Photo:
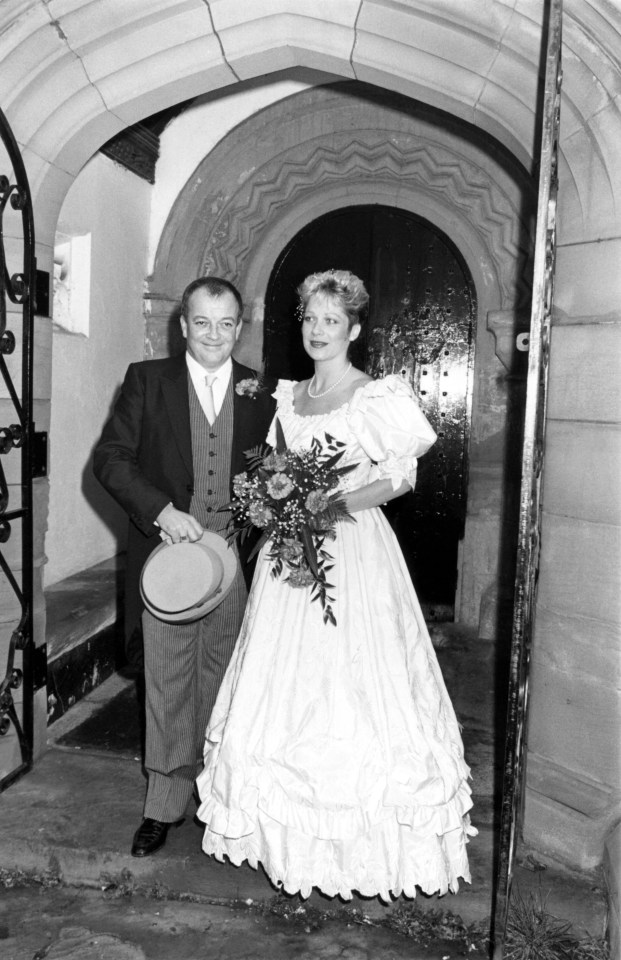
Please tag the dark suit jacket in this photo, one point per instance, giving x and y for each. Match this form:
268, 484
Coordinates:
144, 456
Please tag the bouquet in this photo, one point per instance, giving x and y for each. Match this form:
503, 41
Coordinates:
291, 497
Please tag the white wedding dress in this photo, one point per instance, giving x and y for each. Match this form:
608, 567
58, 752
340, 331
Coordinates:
333, 756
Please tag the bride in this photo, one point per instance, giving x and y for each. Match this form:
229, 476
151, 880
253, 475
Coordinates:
333, 756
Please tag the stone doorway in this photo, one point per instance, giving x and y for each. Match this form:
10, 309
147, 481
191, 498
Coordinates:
420, 325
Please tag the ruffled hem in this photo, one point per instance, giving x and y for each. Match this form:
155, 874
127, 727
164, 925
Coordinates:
345, 824
385, 852
388, 861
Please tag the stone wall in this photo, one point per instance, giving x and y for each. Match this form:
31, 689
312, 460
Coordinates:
574, 762
110, 206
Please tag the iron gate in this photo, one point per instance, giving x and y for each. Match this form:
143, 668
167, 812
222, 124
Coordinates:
22, 664
532, 476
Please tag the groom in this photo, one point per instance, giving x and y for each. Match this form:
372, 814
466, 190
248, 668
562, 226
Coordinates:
168, 453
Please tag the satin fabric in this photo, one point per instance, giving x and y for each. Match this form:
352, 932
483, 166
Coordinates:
333, 756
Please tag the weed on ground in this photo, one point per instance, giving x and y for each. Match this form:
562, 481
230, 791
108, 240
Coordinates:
534, 934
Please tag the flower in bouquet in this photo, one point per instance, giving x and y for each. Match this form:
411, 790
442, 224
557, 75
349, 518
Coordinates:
292, 496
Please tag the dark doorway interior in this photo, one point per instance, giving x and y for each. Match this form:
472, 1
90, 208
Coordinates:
421, 326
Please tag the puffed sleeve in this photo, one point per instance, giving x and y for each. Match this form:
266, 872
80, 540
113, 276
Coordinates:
391, 428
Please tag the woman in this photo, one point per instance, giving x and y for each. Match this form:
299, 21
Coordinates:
333, 756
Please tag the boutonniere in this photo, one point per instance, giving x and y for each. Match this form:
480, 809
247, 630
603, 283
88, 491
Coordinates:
249, 387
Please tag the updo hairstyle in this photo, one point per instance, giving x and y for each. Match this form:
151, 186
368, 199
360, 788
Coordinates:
341, 285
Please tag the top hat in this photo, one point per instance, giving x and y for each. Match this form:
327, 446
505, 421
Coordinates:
181, 582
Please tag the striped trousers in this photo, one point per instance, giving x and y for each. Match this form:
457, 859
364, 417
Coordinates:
184, 667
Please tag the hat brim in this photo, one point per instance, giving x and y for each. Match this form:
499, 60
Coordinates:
207, 596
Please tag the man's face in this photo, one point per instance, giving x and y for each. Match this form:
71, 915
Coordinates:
211, 328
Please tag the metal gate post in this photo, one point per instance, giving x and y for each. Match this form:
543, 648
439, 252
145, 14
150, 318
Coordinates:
532, 476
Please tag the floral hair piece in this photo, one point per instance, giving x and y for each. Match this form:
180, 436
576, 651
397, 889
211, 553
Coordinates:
343, 285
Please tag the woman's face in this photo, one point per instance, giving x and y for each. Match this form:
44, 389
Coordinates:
325, 328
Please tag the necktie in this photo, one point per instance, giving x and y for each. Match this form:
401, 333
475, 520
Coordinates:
210, 408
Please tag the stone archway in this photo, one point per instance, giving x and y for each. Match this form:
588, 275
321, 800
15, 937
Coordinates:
347, 145
74, 75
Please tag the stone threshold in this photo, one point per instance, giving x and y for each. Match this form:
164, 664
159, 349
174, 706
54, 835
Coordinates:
84, 618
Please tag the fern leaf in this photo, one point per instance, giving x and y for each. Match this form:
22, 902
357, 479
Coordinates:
260, 542
310, 551
281, 444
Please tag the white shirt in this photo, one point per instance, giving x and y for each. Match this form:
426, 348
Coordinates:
219, 386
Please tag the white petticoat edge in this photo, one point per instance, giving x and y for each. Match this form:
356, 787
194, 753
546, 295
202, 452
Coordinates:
435, 867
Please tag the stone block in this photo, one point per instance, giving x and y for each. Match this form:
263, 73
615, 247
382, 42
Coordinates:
582, 473
512, 93
106, 36
575, 720
567, 836
436, 36
64, 101
384, 46
270, 43
588, 279
565, 786
283, 16
137, 90
30, 50
578, 645
586, 206
587, 96
270, 38
61, 126
579, 568
48, 186
585, 372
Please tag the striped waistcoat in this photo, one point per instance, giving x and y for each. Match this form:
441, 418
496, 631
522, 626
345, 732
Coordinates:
211, 456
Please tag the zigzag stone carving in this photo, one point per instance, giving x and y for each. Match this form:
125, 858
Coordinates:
396, 167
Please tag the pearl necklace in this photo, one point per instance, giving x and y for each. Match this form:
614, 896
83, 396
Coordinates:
316, 396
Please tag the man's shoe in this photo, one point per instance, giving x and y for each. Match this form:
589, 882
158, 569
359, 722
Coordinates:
150, 836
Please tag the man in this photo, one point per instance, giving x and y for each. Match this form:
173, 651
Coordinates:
176, 437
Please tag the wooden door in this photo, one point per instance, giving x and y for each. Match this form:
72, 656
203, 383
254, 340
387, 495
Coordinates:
420, 326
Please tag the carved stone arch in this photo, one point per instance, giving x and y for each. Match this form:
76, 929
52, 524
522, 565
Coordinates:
338, 145
430, 175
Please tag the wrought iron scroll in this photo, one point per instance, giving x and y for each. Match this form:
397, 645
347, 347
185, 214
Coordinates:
532, 476
16, 439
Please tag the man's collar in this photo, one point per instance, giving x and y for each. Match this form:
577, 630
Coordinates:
198, 372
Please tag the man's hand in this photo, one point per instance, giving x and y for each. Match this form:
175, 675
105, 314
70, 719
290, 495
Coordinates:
178, 525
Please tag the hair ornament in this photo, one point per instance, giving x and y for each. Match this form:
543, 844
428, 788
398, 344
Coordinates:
343, 285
